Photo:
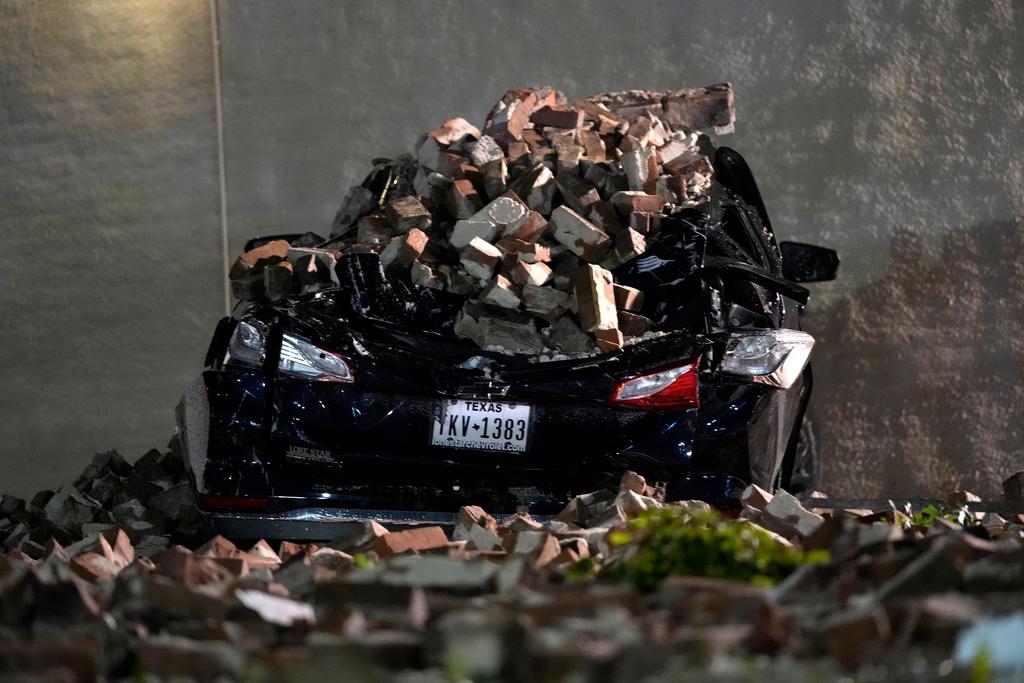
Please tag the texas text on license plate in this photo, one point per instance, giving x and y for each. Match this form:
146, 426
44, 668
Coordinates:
482, 425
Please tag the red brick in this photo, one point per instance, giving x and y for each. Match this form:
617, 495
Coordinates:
419, 539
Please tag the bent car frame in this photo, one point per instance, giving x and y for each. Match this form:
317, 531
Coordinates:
357, 401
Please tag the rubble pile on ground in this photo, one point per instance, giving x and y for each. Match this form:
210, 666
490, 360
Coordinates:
526, 216
151, 501
619, 586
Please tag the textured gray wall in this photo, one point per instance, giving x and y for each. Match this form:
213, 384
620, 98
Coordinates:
109, 227
890, 132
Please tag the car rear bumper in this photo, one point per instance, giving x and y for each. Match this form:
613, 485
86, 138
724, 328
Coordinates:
317, 465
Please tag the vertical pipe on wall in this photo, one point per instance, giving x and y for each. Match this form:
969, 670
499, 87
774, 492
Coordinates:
219, 104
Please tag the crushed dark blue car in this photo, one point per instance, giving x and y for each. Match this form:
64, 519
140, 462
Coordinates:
358, 401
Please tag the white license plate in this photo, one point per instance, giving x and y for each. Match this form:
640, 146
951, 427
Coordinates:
482, 425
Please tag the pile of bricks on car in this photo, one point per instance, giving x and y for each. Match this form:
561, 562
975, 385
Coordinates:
95, 583
526, 217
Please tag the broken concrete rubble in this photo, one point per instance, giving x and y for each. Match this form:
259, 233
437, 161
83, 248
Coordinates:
569, 338
546, 302
509, 331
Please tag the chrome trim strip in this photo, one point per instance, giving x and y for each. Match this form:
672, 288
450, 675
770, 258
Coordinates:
323, 523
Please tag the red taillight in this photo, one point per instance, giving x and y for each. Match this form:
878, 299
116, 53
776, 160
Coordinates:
232, 502
674, 387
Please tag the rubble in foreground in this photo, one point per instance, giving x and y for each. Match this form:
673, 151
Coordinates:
619, 586
526, 218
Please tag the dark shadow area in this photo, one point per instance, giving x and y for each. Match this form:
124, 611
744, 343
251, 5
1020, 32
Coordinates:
920, 382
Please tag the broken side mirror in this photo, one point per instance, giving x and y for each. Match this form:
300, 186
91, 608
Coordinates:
808, 262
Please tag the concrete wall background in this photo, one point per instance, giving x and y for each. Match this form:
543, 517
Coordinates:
889, 132
109, 227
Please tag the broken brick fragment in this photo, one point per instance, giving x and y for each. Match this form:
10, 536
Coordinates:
402, 250
630, 202
510, 116
373, 228
688, 164
501, 292
629, 244
474, 515
536, 187
485, 150
273, 251
593, 146
528, 252
496, 178
634, 325
856, 635
532, 229
557, 117
453, 130
524, 273
518, 152
535, 253
609, 340
418, 539
645, 223
480, 258
540, 546
407, 213
463, 199
636, 163
604, 216
592, 289
577, 233
467, 171
94, 567
567, 155
628, 298
510, 332
466, 230
671, 189
709, 107
577, 192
